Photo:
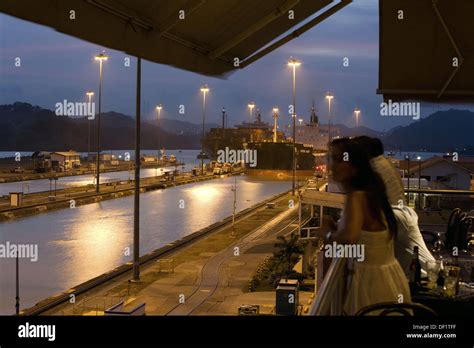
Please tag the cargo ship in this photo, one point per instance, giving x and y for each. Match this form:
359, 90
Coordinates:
274, 151
275, 160
234, 138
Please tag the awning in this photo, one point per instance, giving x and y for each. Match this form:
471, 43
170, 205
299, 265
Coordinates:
211, 37
427, 50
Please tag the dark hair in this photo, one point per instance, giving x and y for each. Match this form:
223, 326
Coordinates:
367, 180
372, 146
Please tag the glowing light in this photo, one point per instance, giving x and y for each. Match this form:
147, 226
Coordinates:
101, 57
294, 62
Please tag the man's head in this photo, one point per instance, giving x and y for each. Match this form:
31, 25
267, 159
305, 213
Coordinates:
372, 146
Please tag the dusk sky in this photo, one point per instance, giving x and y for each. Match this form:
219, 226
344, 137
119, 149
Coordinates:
55, 67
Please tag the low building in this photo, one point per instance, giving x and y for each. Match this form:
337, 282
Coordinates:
41, 161
442, 173
65, 160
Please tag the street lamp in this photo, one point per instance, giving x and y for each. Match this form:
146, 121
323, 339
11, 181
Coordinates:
329, 97
419, 172
89, 94
275, 123
17, 285
234, 190
357, 112
158, 110
293, 63
223, 121
419, 181
407, 158
101, 57
250, 106
204, 90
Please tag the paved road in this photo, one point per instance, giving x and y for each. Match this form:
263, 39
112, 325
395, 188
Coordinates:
210, 280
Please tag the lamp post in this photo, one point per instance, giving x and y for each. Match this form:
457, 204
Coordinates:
419, 181
250, 106
357, 112
100, 58
17, 285
407, 158
204, 90
158, 110
89, 94
136, 195
223, 121
275, 123
294, 63
329, 97
234, 190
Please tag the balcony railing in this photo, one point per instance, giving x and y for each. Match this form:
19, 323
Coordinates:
329, 299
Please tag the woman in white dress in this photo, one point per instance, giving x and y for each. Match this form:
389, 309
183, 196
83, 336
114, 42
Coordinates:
367, 220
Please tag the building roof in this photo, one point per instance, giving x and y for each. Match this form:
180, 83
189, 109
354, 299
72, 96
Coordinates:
66, 153
414, 165
417, 51
206, 40
468, 165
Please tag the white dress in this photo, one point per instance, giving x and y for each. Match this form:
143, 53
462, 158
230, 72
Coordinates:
379, 278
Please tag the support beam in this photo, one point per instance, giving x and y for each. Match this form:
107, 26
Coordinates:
171, 21
304, 28
136, 202
276, 13
453, 43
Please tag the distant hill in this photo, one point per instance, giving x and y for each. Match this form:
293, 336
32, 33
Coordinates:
24, 127
443, 131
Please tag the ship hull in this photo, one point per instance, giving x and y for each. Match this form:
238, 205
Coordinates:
275, 160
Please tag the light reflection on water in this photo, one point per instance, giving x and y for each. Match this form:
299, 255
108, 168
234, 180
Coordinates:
78, 244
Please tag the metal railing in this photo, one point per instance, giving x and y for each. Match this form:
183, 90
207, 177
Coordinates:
329, 300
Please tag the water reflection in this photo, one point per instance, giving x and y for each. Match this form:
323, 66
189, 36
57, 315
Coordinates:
95, 242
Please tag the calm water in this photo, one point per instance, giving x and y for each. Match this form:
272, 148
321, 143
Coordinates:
78, 244
30, 186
